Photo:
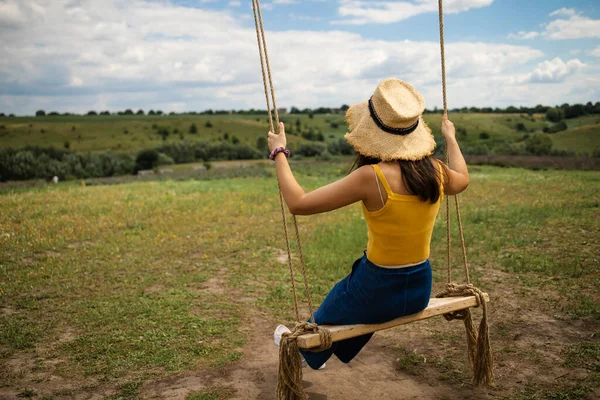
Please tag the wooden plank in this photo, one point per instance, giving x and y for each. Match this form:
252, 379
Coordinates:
436, 307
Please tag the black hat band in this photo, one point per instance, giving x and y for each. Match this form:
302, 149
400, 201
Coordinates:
388, 129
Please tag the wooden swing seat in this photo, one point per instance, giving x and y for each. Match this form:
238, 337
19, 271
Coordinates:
437, 306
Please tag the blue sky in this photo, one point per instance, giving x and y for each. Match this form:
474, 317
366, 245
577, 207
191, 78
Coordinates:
180, 55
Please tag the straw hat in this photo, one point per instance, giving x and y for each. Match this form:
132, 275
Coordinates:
389, 125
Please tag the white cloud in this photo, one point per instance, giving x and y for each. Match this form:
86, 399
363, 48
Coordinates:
596, 51
524, 35
297, 17
563, 12
135, 54
556, 70
575, 26
235, 3
360, 12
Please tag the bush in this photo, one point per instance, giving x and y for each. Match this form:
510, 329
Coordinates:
311, 149
164, 159
67, 144
340, 146
261, 143
559, 127
477, 149
325, 156
208, 124
334, 125
555, 114
163, 132
539, 144
40, 113
146, 159
180, 152
193, 129
520, 126
484, 135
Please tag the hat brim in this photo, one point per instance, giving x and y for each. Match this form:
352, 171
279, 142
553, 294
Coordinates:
369, 140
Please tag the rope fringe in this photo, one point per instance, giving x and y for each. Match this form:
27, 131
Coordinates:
479, 350
289, 377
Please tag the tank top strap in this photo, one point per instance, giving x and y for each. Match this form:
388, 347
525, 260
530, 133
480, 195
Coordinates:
384, 181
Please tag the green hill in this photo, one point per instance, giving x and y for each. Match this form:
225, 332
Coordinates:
477, 133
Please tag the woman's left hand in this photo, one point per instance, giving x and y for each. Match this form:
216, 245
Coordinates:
277, 140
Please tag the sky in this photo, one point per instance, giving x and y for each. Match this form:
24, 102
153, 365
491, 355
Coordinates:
193, 55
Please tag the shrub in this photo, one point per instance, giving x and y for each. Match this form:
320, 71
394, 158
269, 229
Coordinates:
40, 113
484, 135
558, 127
340, 146
261, 143
164, 159
311, 149
146, 159
235, 140
555, 114
163, 132
180, 152
193, 129
334, 125
539, 144
67, 144
477, 149
208, 124
520, 126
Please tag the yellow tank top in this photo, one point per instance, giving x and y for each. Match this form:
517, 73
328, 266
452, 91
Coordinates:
400, 232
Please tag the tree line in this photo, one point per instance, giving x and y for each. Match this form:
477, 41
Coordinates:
564, 111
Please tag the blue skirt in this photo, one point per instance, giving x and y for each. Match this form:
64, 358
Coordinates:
370, 295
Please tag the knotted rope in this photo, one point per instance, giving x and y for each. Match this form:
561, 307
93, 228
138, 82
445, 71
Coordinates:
478, 345
289, 384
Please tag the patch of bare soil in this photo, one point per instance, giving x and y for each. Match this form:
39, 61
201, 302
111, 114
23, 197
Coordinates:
217, 284
8, 311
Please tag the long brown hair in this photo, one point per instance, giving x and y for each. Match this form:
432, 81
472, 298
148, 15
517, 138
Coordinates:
421, 178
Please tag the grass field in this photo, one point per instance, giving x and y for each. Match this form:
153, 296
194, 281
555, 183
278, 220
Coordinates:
113, 290
132, 133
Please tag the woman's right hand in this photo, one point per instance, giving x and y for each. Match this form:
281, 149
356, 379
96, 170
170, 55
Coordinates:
448, 130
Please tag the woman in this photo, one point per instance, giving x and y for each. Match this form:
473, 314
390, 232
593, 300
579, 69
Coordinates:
400, 186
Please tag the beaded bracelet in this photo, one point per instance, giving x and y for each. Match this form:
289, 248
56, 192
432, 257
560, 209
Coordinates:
279, 150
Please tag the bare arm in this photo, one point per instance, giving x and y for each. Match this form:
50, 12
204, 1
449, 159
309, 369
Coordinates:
347, 190
458, 171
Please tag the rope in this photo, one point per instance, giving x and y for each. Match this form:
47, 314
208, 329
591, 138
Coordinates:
289, 384
264, 64
480, 353
478, 345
